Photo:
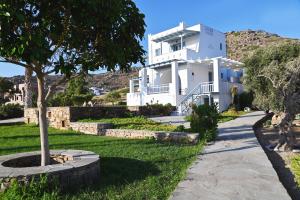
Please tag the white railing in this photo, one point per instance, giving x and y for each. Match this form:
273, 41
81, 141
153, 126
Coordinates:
157, 89
183, 54
201, 89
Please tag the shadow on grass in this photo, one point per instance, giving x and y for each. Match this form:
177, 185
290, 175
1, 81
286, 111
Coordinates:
117, 172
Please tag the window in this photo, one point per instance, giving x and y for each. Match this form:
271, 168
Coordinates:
49, 114
158, 52
221, 75
221, 46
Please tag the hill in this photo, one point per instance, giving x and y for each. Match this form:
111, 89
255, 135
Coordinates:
241, 43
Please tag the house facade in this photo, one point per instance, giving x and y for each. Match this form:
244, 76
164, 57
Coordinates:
187, 65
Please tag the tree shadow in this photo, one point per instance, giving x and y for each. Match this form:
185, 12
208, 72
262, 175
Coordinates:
117, 171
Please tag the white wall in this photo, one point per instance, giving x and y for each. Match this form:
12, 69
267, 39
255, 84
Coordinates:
210, 40
200, 74
206, 44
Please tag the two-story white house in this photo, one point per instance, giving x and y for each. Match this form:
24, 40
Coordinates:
187, 65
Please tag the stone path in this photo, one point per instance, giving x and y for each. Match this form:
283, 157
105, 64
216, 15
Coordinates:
11, 121
234, 167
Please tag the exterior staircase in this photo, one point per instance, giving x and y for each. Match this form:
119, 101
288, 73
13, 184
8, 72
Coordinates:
193, 97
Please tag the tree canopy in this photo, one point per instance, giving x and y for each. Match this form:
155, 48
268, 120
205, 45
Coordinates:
6, 85
69, 37
271, 73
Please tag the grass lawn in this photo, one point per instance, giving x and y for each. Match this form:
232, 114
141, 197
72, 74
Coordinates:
295, 166
230, 115
130, 169
135, 123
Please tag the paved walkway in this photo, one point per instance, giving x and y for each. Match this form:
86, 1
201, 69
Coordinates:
11, 121
235, 167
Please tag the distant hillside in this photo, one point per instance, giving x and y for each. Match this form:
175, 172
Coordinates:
108, 81
242, 43
239, 45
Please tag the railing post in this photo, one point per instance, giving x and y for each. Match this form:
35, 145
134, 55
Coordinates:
217, 72
175, 85
131, 86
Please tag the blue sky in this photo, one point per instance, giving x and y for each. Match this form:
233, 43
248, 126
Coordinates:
277, 16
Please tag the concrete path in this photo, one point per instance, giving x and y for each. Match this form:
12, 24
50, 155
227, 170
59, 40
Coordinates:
235, 167
11, 121
174, 120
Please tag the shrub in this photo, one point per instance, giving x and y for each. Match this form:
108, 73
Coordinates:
245, 100
204, 120
156, 109
11, 111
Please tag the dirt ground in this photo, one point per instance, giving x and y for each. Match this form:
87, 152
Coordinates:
280, 160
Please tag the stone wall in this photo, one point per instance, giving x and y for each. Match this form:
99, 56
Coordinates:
104, 129
92, 128
61, 117
179, 137
81, 169
58, 117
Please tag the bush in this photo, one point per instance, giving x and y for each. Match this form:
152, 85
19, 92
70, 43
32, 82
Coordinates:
11, 111
204, 120
156, 109
245, 100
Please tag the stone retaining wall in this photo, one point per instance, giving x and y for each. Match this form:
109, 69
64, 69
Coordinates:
61, 117
104, 129
92, 128
81, 169
179, 137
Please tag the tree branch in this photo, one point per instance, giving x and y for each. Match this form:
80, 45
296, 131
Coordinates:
6, 60
53, 86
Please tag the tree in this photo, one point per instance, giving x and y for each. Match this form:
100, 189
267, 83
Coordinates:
234, 96
5, 85
113, 97
69, 37
28, 88
75, 94
273, 74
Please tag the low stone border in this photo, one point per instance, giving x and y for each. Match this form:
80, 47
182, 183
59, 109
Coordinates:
93, 128
104, 129
81, 168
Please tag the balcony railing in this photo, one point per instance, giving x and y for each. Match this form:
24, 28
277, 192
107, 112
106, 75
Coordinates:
184, 54
157, 89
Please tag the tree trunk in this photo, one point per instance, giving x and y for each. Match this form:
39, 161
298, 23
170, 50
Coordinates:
286, 136
28, 88
41, 104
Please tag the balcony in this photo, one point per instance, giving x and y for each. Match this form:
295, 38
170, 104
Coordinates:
183, 54
158, 89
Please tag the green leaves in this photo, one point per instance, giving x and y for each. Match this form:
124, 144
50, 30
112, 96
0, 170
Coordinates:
72, 36
266, 74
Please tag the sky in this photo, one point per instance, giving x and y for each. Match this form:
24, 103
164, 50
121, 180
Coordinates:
276, 16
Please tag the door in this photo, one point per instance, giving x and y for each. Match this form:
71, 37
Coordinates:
210, 77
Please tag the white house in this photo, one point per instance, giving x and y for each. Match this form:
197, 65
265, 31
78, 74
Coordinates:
186, 65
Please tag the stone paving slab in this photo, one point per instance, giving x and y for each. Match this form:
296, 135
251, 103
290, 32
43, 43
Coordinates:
12, 121
234, 167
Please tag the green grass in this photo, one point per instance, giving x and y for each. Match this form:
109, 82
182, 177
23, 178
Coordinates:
295, 166
135, 123
230, 115
130, 169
